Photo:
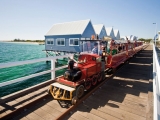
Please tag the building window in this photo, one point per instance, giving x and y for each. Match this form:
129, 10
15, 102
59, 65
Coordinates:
50, 41
74, 42
60, 42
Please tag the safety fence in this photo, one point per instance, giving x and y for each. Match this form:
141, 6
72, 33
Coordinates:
156, 84
52, 71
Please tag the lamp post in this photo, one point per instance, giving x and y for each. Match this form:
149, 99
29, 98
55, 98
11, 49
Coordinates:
155, 32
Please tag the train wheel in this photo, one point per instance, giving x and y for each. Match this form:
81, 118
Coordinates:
99, 77
94, 80
87, 84
74, 100
80, 91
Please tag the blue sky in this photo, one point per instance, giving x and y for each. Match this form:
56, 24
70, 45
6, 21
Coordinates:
31, 19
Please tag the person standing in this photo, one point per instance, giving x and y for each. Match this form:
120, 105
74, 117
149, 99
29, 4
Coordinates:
95, 49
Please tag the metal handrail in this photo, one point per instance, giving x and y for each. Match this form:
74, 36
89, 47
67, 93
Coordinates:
18, 63
156, 84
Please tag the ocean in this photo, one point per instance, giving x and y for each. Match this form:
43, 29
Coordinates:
13, 52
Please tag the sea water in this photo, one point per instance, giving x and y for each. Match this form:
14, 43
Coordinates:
13, 52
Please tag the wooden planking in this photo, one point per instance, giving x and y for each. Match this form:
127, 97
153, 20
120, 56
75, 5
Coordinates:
51, 110
33, 116
17, 103
95, 113
43, 114
77, 116
125, 97
120, 93
48, 109
56, 106
108, 100
125, 107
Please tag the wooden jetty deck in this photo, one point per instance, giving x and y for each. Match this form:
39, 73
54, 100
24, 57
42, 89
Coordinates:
127, 95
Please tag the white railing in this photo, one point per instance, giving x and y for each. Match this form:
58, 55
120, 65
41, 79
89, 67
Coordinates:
156, 85
52, 71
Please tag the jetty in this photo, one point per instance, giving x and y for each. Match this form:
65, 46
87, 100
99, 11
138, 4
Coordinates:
131, 93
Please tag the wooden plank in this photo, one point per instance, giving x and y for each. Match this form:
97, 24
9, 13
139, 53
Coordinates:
3, 114
89, 105
13, 105
20, 117
51, 111
24, 118
33, 116
43, 114
121, 91
120, 106
56, 106
131, 80
127, 113
114, 108
77, 116
24, 100
126, 90
34, 96
109, 95
84, 111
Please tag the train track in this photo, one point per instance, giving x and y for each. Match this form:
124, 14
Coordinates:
35, 103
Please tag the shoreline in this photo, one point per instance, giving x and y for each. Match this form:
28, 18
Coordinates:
36, 43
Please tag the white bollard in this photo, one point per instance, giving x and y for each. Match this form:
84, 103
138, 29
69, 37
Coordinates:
53, 69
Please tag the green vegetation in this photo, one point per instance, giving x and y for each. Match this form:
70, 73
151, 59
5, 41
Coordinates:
149, 40
19, 40
145, 40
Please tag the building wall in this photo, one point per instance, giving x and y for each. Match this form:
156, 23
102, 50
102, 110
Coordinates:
89, 31
103, 33
62, 48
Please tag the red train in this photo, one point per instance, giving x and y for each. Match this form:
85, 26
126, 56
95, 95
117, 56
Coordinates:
89, 69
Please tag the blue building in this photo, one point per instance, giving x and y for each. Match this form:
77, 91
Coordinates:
100, 30
65, 37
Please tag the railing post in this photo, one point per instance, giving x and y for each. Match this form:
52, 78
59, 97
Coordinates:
53, 69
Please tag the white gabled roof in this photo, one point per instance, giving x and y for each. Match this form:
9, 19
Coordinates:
130, 37
116, 32
108, 30
68, 28
98, 28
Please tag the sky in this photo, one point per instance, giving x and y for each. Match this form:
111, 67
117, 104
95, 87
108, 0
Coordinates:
32, 19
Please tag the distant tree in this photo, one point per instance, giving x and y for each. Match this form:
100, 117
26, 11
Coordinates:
18, 40
145, 40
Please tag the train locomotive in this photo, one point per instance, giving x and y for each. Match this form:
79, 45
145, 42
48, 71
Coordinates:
90, 67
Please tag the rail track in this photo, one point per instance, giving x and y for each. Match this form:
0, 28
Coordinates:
35, 103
